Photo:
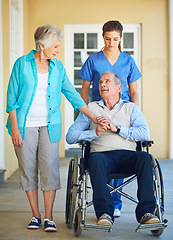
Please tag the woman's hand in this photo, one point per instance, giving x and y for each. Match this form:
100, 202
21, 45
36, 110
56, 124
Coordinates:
17, 137
94, 119
102, 119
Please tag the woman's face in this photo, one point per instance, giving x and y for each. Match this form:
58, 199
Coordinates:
51, 51
111, 40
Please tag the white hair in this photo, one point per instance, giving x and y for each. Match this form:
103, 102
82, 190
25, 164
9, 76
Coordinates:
44, 34
117, 79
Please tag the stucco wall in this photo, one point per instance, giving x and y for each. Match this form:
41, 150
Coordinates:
11, 163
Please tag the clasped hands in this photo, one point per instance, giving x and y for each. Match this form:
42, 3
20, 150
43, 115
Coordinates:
104, 124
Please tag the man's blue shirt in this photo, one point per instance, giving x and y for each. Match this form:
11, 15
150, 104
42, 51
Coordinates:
138, 131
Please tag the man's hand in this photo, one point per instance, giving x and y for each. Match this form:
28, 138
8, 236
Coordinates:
17, 137
101, 127
107, 121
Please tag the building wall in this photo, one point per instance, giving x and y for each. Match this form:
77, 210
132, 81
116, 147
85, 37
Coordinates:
11, 163
151, 14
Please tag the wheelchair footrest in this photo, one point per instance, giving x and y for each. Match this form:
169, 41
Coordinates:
97, 227
154, 226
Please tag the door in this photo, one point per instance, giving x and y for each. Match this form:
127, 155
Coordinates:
81, 40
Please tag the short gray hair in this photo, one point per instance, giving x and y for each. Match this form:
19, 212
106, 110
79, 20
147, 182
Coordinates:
117, 79
45, 33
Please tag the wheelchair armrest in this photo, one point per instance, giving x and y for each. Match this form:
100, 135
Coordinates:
144, 144
82, 143
147, 143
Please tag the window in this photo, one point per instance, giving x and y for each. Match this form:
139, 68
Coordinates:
81, 40
84, 45
16, 30
131, 44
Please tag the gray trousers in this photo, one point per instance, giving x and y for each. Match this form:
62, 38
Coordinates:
38, 154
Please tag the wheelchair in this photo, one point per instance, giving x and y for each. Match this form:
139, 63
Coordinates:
77, 192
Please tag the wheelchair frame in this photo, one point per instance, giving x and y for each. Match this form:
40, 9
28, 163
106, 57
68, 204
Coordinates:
77, 191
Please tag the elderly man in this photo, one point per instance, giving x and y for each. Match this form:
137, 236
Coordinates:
113, 149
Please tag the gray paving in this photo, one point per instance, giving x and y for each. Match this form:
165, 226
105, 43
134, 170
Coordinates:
15, 212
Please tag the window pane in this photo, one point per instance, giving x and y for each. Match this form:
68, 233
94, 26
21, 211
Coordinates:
79, 59
128, 40
77, 79
79, 41
131, 53
89, 53
91, 40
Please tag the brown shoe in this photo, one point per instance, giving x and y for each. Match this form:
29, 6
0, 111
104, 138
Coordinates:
149, 218
105, 220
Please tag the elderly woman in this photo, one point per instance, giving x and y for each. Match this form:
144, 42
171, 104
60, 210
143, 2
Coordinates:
34, 123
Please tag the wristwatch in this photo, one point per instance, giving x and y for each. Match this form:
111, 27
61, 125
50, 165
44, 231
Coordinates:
118, 129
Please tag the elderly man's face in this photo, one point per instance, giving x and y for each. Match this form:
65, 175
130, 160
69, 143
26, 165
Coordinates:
108, 87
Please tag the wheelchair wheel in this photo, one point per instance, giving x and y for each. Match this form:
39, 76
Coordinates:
159, 194
71, 191
77, 220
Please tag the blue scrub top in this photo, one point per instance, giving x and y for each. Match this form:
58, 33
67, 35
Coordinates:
97, 63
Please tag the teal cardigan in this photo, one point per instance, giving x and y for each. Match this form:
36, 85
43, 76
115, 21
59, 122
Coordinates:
22, 87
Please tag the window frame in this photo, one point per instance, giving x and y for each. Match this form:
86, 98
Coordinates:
16, 30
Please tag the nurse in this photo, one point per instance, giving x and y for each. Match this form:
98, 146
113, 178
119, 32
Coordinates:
111, 58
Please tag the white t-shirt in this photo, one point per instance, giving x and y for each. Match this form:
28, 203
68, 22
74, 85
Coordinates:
38, 112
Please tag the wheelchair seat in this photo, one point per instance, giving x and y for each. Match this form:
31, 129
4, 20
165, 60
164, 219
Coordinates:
77, 192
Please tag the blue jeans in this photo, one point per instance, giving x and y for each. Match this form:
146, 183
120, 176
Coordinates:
121, 161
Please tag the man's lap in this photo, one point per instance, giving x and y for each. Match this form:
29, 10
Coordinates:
119, 161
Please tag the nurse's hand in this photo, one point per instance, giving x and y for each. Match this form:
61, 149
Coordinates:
17, 137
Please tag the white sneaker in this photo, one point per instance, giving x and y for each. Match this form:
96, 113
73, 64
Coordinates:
117, 213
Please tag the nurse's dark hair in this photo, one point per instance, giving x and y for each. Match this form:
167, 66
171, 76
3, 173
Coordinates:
111, 26
117, 79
